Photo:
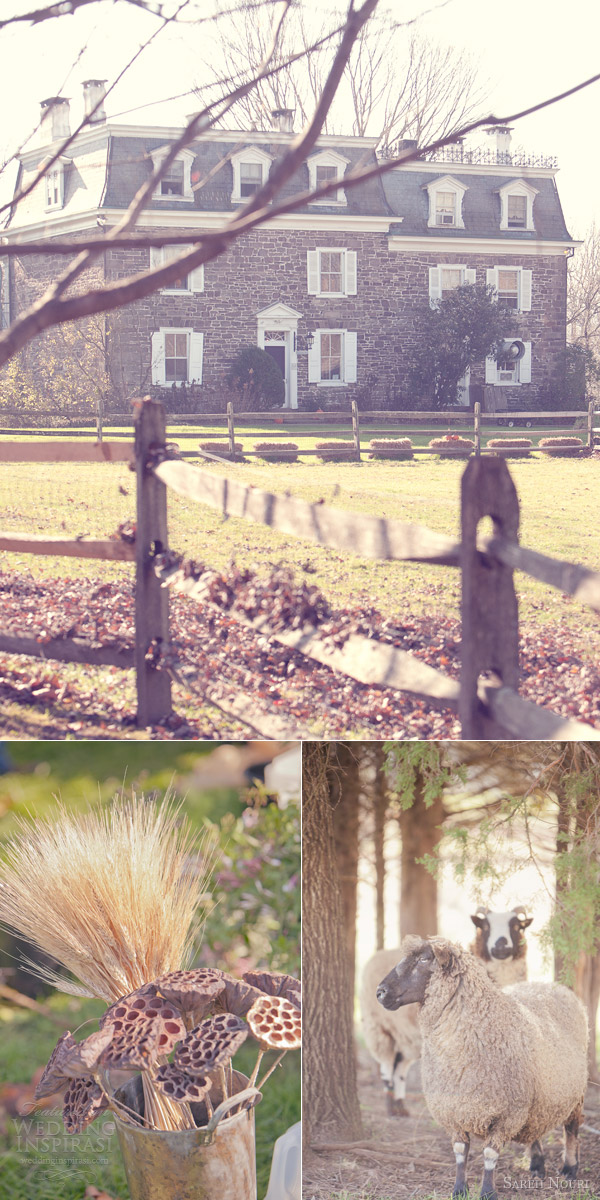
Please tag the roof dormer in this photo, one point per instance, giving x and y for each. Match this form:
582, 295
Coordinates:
176, 183
445, 203
324, 167
251, 168
516, 205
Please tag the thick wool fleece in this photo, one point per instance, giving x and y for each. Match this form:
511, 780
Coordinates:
503, 1065
388, 1033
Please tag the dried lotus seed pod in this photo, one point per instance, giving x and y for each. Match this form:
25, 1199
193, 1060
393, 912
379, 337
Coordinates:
149, 1028
84, 1101
54, 1077
85, 1056
192, 991
128, 1002
178, 1085
275, 1023
275, 984
211, 1044
237, 997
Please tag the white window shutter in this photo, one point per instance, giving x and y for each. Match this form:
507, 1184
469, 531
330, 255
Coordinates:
312, 269
435, 285
314, 360
525, 365
156, 257
350, 257
158, 358
470, 275
491, 370
196, 355
525, 297
196, 279
350, 340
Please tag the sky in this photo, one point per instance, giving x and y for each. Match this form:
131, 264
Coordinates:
527, 51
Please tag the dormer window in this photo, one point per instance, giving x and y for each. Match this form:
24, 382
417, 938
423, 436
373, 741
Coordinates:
516, 205
445, 208
176, 182
251, 168
445, 203
326, 167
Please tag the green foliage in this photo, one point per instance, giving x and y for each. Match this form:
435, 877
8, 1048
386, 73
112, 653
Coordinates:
464, 328
63, 370
256, 379
575, 380
407, 763
256, 915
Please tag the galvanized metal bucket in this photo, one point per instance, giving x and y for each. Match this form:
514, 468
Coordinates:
214, 1162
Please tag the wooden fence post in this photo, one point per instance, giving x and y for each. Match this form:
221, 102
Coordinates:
590, 425
151, 600
477, 427
356, 430
490, 623
230, 429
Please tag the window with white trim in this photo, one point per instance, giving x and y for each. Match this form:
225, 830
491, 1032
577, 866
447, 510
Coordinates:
177, 356
176, 183
331, 271
516, 205
251, 168
509, 371
446, 277
54, 183
332, 358
445, 203
192, 282
512, 286
325, 167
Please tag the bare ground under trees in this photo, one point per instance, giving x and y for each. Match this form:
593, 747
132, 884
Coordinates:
407, 1158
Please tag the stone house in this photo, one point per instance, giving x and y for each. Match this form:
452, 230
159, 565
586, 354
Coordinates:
331, 288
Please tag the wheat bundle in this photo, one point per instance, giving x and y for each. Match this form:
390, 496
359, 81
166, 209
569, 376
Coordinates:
114, 895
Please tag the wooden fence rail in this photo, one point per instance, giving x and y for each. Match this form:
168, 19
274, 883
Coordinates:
486, 698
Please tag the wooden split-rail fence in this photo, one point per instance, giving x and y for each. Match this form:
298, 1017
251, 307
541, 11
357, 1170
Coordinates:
486, 698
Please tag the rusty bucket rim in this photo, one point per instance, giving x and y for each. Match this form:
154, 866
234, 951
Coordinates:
202, 1130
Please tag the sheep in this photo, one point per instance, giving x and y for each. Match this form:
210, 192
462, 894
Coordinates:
393, 1038
497, 1064
499, 941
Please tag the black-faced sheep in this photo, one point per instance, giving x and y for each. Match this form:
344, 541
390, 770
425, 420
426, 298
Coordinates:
393, 1039
500, 1065
501, 944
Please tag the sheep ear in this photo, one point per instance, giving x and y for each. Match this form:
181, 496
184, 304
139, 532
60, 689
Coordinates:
443, 955
524, 921
478, 918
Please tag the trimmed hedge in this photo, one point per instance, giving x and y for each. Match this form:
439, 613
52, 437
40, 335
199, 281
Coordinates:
452, 446
222, 448
277, 451
398, 448
345, 451
511, 447
561, 447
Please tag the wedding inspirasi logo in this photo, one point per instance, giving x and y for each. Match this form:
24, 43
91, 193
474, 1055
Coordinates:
43, 1143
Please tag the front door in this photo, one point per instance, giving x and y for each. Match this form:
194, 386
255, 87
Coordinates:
277, 345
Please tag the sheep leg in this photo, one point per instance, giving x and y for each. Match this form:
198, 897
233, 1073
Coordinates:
460, 1145
488, 1185
394, 1075
571, 1157
537, 1165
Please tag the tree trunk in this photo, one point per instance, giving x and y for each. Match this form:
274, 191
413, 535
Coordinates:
587, 987
380, 801
330, 1097
344, 788
420, 828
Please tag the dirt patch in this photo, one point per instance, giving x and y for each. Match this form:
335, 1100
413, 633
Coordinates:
423, 1165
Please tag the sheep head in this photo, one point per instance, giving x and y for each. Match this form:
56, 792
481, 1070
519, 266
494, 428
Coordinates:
408, 981
500, 934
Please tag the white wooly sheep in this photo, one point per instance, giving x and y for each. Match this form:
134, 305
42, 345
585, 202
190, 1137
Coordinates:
502, 1065
393, 1039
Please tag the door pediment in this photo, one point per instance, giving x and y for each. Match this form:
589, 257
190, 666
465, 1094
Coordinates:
278, 312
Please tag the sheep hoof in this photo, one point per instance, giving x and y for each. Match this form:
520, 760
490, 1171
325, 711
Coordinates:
396, 1108
569, 1172
537, 1167
489, 1195
460, 1192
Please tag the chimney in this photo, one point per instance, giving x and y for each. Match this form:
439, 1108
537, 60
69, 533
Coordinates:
501, 134
283, 119
54, 120
94, 90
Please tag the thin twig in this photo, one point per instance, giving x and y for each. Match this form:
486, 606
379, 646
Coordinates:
262, 1082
